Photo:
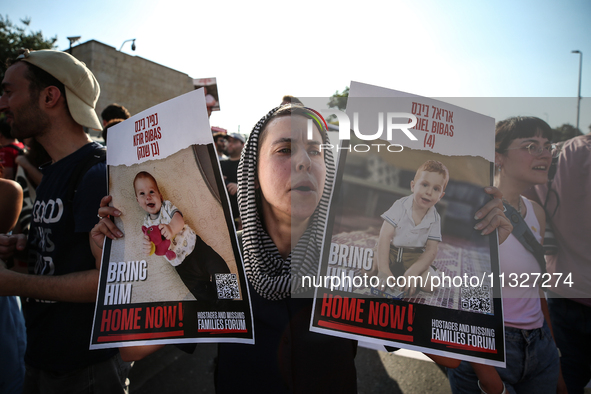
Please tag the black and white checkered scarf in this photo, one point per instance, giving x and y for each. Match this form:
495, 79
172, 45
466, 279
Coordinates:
271, 276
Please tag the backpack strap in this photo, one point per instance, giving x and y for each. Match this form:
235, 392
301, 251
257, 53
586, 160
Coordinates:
522, 232
96, 156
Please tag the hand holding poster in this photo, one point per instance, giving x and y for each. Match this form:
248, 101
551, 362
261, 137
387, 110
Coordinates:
176, 275
402, 263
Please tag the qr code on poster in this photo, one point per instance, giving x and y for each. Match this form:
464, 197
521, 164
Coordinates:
476, 299
227, 285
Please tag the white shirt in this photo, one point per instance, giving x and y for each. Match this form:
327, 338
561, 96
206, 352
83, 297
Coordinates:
521, 295
407, 233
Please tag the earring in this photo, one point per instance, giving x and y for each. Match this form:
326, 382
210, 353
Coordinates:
498, 167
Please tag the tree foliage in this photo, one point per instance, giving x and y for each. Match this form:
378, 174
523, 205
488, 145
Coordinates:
13, 37
339, 100
565, 132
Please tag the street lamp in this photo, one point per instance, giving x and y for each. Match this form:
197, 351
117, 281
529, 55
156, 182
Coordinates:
72, 40
132, 44
579, 95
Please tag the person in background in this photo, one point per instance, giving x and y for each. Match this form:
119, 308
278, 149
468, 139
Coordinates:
220, 143
28, 176
34, 157
10, 148
13, 339
11, 200
114, 111
230, 172
522, 159
568, 208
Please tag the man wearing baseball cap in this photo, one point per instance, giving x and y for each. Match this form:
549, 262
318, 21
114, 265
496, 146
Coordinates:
51, 96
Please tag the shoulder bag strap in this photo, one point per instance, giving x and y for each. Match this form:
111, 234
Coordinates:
522, 232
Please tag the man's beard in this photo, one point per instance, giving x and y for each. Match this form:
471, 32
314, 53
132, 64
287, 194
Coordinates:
29, 121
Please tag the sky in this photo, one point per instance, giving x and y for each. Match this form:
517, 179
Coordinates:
262, 50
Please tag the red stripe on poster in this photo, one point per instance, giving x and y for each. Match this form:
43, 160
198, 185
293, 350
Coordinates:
465, 347
222, 331
365, 331
147, 335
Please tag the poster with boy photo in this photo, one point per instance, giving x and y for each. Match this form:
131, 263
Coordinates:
176, 276
402, 265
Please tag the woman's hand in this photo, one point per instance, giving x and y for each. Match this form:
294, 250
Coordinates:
492, 216
489, 379
105, 227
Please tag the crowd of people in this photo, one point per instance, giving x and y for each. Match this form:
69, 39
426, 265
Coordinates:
48, 100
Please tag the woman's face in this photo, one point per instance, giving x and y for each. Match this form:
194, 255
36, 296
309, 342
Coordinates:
519, 165
291, 169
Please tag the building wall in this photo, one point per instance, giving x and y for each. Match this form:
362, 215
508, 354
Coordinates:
132, 81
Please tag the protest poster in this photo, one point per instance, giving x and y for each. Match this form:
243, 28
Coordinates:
386, 231
210, 89
176, 276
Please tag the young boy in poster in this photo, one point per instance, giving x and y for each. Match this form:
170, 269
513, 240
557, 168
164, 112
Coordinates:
411, 231
167, 235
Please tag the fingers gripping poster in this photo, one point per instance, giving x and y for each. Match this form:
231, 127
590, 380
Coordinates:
176, 275
402, 264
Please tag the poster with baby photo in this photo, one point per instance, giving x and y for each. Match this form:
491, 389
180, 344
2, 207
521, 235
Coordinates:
176, 276
404, 264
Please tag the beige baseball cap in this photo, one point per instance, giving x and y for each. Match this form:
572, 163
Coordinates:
82, 88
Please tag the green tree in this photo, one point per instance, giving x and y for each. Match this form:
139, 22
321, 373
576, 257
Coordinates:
339, 100
565, 132
14, 37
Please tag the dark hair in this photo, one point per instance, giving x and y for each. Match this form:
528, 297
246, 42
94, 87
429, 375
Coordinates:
291, 99
519, 127
115, 111
216, 137
109, 124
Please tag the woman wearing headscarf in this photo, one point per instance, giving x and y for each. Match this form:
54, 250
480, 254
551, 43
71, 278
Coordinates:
284, 187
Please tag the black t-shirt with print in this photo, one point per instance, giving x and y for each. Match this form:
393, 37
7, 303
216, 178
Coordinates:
58, 333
